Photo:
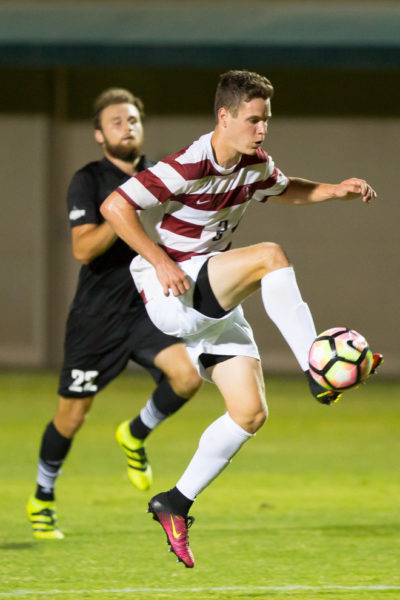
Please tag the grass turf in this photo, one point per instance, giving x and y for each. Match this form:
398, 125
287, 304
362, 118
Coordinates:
308, 509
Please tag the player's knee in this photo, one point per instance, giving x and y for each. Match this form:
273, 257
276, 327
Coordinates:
254, 421
73, 423
272, 257
69, 422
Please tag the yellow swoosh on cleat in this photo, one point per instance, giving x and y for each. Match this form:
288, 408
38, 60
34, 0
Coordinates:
174, 532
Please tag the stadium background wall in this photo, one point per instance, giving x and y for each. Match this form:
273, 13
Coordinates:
327, 125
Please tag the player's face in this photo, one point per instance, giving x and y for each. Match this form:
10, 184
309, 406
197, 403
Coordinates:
247, 130
122, 130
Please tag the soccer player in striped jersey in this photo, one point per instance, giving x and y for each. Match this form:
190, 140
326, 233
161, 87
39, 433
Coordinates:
179, 216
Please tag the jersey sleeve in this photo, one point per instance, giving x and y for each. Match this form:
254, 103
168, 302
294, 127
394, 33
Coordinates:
153, 187
273, 182
81, 200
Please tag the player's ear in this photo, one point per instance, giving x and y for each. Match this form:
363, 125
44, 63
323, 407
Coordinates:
98, 136
223, 116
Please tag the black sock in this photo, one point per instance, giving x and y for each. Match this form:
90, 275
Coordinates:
315, 387
179, 503
138, 429
166, 401
53, 450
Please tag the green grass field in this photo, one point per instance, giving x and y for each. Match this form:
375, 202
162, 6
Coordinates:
308, 509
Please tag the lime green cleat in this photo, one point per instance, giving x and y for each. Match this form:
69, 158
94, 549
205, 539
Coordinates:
139, 470
42, 515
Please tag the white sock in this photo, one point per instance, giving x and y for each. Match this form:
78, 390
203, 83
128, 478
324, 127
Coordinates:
47, 475
150, 415
218, 444
285, 307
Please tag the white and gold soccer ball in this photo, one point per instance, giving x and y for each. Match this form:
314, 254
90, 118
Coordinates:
340, 359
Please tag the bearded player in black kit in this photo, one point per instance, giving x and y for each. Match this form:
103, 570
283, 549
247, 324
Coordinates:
107, 324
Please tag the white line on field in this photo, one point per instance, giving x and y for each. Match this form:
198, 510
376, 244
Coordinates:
249, 589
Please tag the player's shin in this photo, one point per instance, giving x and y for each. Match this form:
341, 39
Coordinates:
41, 507
53, 451
218, 444
163, 403
285, 307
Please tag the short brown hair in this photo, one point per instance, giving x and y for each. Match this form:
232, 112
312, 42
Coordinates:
114, 96
236, 86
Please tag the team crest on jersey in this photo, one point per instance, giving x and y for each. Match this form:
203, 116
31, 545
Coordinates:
76, 213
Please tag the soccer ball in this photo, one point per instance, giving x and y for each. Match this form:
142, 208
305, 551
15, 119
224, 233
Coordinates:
340, 359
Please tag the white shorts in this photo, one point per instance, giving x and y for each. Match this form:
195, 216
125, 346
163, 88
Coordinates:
175, 315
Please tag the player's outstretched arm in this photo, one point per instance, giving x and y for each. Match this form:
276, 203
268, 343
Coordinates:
125, 222
302, 191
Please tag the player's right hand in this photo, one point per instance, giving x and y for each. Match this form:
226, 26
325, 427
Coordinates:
172, 278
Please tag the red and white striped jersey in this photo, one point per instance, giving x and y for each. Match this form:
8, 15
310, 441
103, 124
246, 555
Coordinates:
199, 203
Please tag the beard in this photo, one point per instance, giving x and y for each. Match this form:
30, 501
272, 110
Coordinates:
127, 152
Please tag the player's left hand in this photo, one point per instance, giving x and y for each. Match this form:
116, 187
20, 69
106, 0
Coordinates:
353, 188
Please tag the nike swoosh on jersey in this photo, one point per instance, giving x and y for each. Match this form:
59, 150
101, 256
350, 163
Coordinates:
77, 213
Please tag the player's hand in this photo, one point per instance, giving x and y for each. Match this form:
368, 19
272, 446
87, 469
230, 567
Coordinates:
353, 188
171, 277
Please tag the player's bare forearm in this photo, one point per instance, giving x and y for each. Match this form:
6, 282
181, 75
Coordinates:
125, 222
303, 192
91, 240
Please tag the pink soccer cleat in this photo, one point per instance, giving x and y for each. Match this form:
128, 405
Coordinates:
175, 526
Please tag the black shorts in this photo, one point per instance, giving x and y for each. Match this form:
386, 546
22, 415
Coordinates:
97, 348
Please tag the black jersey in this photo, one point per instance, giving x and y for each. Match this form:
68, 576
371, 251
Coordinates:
105, 284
